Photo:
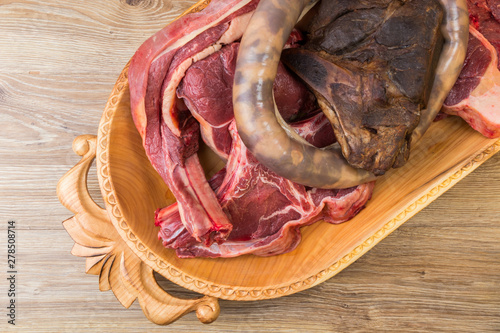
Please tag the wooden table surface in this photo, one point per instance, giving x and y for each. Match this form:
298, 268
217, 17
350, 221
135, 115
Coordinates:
58, 62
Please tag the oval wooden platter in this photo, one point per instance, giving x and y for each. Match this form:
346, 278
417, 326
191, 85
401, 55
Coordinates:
122, 247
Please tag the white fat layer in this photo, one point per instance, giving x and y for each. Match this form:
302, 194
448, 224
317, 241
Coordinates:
236, 29
184, 40
169, 92
485, 96
233, 33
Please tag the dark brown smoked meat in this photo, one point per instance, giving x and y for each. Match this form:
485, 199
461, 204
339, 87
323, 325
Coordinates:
371, 64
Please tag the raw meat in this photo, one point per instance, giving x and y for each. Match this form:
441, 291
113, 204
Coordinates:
169, 132
476, 94
202, 221
266, 210
371, 65
207, 90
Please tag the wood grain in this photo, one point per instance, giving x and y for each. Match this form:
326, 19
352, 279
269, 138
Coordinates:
58, 63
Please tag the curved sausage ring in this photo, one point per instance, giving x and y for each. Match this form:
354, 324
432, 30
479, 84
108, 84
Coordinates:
254, 106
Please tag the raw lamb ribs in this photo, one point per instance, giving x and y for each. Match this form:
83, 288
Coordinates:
476, 95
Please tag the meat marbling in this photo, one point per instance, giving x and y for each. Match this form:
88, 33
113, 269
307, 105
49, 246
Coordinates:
266, 210
476, 94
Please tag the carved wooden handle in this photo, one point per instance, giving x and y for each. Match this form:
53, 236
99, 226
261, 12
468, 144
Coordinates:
119, 269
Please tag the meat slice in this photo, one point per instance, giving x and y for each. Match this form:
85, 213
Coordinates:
266, 210
476, 94
169, 132
203, 89
184, 175
207, 91
173, 232
371, 65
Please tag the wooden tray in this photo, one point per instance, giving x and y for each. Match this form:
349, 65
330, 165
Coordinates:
121, 244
